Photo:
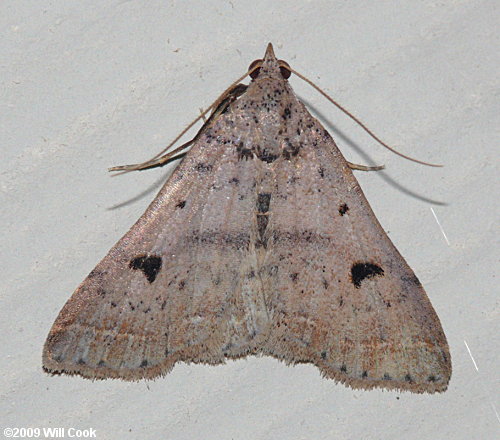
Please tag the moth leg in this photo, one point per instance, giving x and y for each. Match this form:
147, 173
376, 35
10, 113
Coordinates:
159, 162
202, 112
220, 107
355, 166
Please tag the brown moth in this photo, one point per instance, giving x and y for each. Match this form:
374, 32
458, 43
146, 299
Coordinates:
260, 242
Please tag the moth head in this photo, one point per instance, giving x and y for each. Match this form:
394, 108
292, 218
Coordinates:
269, 59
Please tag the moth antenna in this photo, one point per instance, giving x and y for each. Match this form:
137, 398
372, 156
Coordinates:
355, 119
153, 162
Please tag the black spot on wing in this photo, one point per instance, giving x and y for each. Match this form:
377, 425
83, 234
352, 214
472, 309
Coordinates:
287, 113
181, 204
243, 152
150, 265
291, 150
203, 167
262, 221
360, 271
409, 379
343, 209
265, 155
263, 201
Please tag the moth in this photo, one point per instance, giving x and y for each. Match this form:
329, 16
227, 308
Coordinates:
261, 242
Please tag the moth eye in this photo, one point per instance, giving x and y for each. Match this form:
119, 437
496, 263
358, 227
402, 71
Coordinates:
284, 69
254, 64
